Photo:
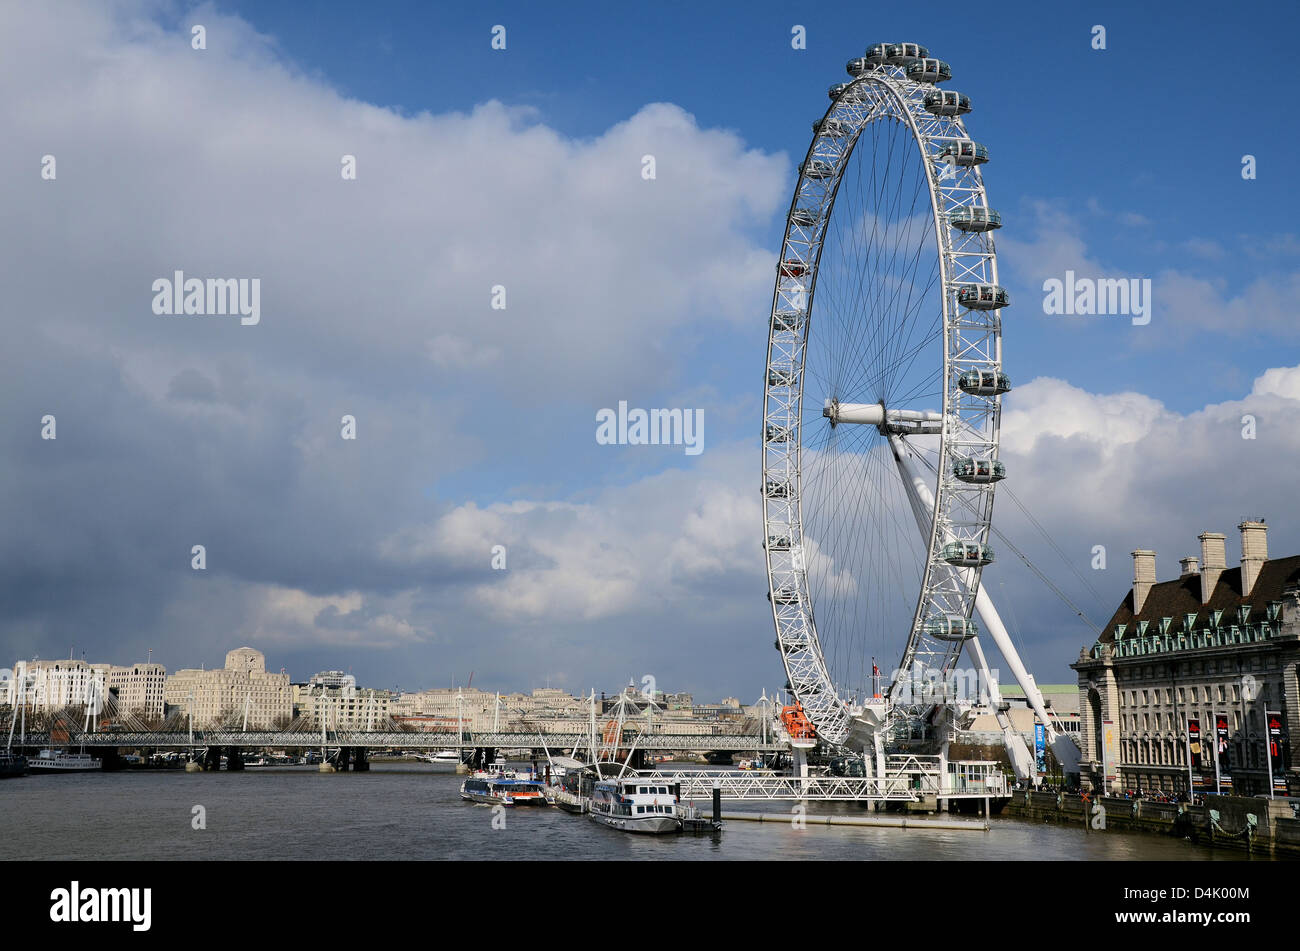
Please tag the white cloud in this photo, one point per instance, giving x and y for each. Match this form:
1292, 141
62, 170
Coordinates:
376, 301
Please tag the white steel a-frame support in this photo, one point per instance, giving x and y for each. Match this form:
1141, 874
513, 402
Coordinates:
1067, 753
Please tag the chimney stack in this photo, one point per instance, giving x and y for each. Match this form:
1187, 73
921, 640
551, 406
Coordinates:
1144, 576
1254, 552
1191, 565
1214, 559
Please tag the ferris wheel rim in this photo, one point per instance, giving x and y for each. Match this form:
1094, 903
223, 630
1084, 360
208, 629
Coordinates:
800, 645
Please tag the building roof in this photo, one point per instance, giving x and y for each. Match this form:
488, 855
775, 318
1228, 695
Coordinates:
1175, 599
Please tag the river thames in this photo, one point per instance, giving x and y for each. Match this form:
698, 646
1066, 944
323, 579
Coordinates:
409, 811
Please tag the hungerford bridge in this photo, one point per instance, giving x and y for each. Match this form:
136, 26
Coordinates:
399, 740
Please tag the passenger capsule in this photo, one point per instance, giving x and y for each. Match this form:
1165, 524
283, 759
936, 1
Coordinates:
778, 376
777, 433
831, 126
784, 596
964, 152
775, 489
967, 554
983, 297
793, 269
856, 67
979, 471
949, 628
805, 217
929, 71
975, 218
877, 53
778, 543
818, 168
837, 90
787, 320
984, 382
946, 102
900, 54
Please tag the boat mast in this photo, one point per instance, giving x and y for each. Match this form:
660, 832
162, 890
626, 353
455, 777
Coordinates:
12, 721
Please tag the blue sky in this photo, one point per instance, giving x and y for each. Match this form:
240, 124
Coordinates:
1123, 162
1154, 126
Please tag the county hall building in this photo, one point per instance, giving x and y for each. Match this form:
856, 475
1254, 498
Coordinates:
1206, 668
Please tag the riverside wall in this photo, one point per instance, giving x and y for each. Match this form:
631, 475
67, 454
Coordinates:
1275, 829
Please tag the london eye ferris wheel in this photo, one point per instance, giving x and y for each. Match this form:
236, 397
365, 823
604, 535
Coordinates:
882, 398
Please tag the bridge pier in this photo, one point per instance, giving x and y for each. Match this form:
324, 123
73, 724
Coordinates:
344, 759
111, 761
234, 758
361, 760
212, 759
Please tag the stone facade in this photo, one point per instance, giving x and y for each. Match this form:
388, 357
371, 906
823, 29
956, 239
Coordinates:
223, 695
1217, 641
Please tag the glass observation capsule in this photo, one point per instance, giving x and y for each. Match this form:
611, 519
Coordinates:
946, 102
975, 218
774, 489
841, 89
979, 471
818, 168
831, 126
804, 217
949, 628
964, 152
877, 53
781, 377
789, 320
983, 297
928, 71
778, 542
784, 596
984, 382
967, 554
856, 67
793, 269
777, 433
900, 54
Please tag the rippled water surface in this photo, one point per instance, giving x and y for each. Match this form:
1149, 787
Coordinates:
406, 811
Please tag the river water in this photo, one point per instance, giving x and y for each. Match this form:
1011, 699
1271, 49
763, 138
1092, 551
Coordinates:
410, 811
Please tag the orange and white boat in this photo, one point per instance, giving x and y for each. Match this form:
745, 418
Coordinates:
504, 790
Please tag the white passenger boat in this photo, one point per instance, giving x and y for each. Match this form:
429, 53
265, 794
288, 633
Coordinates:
60, 761
503, 790
635, 805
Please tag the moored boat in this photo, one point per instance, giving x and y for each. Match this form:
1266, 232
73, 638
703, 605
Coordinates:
503, 790
61, 761
11, 764
635, 805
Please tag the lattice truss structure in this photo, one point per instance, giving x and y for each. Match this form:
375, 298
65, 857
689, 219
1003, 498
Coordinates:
937, 320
